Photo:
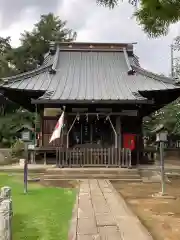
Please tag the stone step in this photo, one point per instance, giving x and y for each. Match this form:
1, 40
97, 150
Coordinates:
21, 170
93, 176
76, 171
83, 178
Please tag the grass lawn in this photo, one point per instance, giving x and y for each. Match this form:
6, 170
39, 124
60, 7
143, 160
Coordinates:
42, 214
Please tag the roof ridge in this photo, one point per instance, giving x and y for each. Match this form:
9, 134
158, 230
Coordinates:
155, 76
129, 66
135, 59
55, 61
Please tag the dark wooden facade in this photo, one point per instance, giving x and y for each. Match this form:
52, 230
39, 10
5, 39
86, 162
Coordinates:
87, 127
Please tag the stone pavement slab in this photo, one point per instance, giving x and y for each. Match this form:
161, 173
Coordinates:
102, 214
87, 226
89, 237
105, 219
109, 232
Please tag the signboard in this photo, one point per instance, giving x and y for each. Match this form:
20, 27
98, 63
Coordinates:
31, 146
25, 135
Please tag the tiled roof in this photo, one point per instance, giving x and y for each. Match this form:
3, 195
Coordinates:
90, 74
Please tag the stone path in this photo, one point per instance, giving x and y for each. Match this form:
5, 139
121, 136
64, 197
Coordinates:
102, 214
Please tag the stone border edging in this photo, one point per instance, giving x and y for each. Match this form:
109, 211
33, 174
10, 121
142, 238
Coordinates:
129, 211
6, 213
72, 233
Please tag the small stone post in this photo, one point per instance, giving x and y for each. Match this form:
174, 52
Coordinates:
6, 214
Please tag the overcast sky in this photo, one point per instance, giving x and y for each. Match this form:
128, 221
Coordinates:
92, 23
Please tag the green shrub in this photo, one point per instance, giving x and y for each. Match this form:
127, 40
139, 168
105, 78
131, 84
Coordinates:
17, 149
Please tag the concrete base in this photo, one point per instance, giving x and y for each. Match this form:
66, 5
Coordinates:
163, 196
33, 179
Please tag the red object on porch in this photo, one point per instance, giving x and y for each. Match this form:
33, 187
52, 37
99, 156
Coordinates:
129, 141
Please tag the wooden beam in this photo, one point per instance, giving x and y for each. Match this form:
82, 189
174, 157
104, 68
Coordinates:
130, 114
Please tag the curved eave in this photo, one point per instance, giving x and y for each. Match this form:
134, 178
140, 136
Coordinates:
84, 101
21, 97
150, 93
146, 73
25, 74
30, 91
162, 97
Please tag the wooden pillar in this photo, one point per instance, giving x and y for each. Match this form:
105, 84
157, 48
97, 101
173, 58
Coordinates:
65, 129
91, 133
118, 130
41, 140
140, 144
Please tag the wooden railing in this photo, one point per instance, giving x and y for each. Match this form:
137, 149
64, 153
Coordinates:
93, 157
167, 145
172, 144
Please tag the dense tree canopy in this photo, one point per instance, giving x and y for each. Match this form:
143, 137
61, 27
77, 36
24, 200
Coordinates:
11, 122
169, 117
5, 50
155, 16
30, 54
35, 44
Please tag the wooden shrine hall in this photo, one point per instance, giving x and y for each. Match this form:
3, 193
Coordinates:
105, 94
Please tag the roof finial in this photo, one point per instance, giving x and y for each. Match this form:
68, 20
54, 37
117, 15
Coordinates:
52, 47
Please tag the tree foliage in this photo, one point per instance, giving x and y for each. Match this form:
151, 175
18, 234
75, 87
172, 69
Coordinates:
5, 48
155, 16
175, 49
35, 44
169, 117
11, 122
29, 55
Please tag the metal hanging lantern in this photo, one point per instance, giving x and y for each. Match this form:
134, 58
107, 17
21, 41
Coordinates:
78, 117
107, 117
161, 133
161, 139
